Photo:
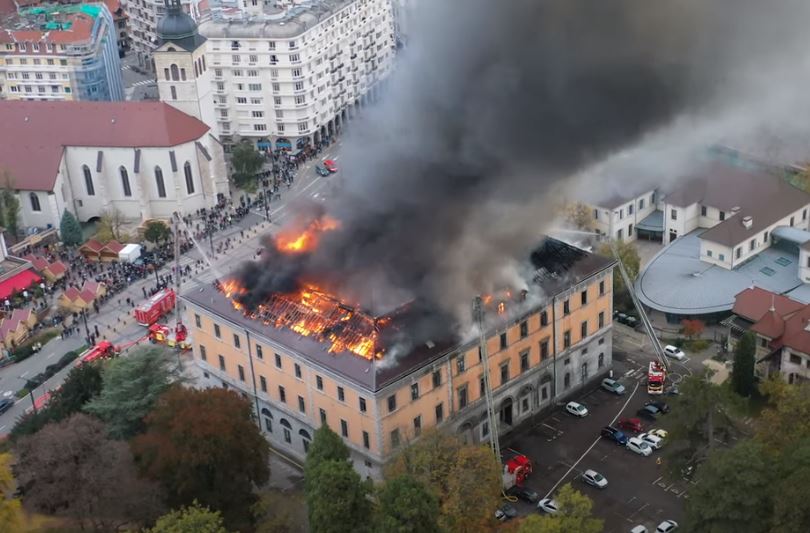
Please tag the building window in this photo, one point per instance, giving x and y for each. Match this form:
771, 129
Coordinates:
301, 405
544, 318
566, 308
722, 215
259, 352
189, 178
175, 73
583, 329
161, 185
222, 363
584, 372
583, 296
217, 332
166, 74
485, 429
439, 413
765, 238
792, 221
804, 214
323, 416
567, 339
437, 378
417, 425
504, 373
241, 372
88, 181
287, 433
263, 383
524, 329
395, 438
738, 252
460, 363
297, 370
35, 202
237, 342
601, 319
203, 354
362, 405
173, 92
709, 253
703, 210
722, 257
524, 361
344, 428
482, 387
567, 380
282, 394
278, 360
319, 382
673, 214
601, 360
341, 394
544, 349
602, 288
462, 397
366, 440
268, 420
125, 181
182, 74
503, 341
392, 403
414, 391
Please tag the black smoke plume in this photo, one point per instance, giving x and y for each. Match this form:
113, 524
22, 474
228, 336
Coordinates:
449, 181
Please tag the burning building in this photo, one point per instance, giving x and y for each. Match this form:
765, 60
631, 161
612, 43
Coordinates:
307, 359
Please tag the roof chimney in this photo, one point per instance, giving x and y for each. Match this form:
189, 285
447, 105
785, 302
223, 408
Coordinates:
748, 221
735, 209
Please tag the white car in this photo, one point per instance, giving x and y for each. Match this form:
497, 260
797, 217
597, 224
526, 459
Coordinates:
548, 505
639, 529
666, 526
674, 352
653, 440
638, 446
660, 433
576, 409
592, 477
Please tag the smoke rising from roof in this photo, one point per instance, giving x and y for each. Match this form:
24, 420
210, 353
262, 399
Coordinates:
452, 178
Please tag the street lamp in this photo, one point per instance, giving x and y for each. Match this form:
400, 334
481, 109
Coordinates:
266, 201
83, 314
28, 385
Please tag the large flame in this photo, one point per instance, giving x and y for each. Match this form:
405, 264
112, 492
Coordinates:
294, 241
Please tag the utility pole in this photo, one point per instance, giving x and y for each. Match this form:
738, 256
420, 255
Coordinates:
177, 321
478, 316
28, 384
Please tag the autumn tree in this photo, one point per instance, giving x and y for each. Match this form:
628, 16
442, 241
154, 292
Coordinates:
281, 512
579, 215
73, 470
628, 254
574, 515
131, 387
191, 519
246, 163
742, 373
204, 445
337, 499
156, 232
785, 422
406, 506
9, 205
12, 517
70, 230
109, 226
692, 328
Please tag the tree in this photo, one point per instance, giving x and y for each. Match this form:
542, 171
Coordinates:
574, 515
326, 446
579, 215
790, 510
742, 373
132, 385
692, 328
191, 519
406, 506
73, 470
9, 205
204, 445
70, 229
628, 254
109, 226
246, 163
156, 232
12, 517
785, 423
733, 493
281, 512
337, 499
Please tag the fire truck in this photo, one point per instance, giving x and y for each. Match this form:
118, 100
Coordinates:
155, 307
102, 350
656, 375
516, 468
173, 338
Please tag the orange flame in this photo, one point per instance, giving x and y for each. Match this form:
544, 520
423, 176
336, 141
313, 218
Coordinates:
298, 242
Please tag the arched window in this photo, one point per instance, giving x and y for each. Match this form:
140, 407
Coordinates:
268, 420
174, 92
175, 73
161, 185
189, 178
35, 202
305, 439
88, 181
125, 181
287, 432
166, 74
183, 74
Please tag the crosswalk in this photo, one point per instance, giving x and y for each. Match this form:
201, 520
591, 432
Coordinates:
143, 83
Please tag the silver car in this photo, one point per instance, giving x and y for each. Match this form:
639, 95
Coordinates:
595, 479
611, 385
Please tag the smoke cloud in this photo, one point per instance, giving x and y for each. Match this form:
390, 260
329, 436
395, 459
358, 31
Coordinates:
495, 107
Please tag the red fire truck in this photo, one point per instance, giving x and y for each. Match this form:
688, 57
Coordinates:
163, 334
656, 375
102, 350
516, 468
155, 307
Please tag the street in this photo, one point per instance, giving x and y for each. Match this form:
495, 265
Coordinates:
137, 86
115, 321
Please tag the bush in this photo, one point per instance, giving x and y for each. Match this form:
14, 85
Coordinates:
23, 392
698, 345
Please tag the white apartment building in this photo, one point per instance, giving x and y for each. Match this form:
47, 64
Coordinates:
144, 159
618, 217
283, 76
143, 18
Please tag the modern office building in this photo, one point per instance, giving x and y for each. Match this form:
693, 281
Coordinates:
378, 400
282, 75
60, 52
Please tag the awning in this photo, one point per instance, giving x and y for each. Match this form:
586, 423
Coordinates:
18, 282
653, 222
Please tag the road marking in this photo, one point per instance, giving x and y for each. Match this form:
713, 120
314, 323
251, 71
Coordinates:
24, 374
2, 427
657, 480
50, 355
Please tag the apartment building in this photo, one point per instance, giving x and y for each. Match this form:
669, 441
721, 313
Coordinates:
538, 354
60, 52
621, 216
281, 76
144, 16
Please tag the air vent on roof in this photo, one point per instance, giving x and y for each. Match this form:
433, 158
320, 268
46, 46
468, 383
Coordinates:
735, 209
747, 221
430, 344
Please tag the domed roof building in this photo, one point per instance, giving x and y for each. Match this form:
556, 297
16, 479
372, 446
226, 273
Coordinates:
178, 27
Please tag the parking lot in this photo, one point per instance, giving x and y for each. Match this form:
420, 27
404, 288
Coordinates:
562, 447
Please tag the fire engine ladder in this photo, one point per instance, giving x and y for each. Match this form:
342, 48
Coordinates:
478, 316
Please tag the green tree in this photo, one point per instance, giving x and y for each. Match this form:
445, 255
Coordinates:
246, 162
191, 519
628, 254
574, 515
281, 512
70, 229
109, 226
9, 205
132, 385
734, 491
785, 423
156, 232
406, 506
205, 446
742, 373
326, 446
12, 517
337, 499
790, 510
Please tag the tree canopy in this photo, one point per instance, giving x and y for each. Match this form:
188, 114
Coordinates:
406, 506
70, 229
156, 232
246, 162
191, 519
574, 515
628, 254
742, 373
9, 205
337, 499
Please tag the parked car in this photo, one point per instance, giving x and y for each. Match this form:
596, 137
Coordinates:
631, 424
639, 529
330, 165
525, 493
631, 321
611, 385
636, 445
666, 526
661, 406
674, 352
576, 409
6, 404
505, 512
548, 505
321, 170
652, 440
594, 478
660, 433
649, 412
611, 433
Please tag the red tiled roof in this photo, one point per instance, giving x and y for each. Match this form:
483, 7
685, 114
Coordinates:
71, 293
87, 295
93, 245
40, 263
34, 134
754, 302
91, 286
114, 246
57, 268
795, 335
771, 325
20, 314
